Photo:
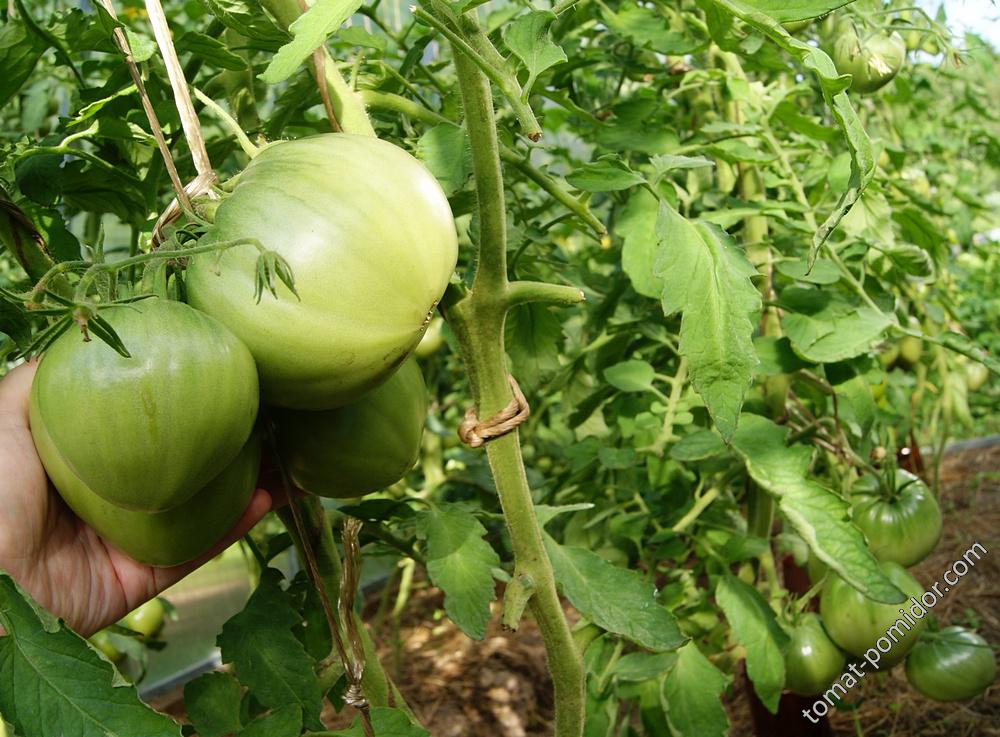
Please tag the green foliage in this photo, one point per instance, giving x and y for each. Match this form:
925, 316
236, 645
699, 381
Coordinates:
751, 236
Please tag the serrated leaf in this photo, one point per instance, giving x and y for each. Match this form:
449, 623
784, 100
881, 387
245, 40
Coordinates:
818, 515
141, 45
616, 599
529, 39
824, 327
247, 18
52, 684
386, 722
309, 31
776, 356
786, 10
534, 337
604, 175
269, 659
691, 692
445, 150
757, 630
708, 280
631, 376
460, 563
911, 260
640, 666
698, 446
213, 704
637, 225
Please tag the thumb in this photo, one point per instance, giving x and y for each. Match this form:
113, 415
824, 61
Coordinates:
15, 392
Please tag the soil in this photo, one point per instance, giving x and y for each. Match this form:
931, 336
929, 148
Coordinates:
499, 687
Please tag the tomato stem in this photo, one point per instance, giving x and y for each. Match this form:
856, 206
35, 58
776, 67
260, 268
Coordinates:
477, 319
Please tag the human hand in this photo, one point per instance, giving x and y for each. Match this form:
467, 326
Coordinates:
55, 557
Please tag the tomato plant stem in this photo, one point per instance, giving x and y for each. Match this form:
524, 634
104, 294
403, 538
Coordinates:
478, 323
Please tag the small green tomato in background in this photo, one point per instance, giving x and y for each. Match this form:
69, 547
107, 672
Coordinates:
872, 62
954, 664
102, 641
976, 375
813, 661
432, 341
148, 619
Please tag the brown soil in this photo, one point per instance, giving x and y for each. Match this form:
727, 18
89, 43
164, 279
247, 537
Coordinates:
499, 687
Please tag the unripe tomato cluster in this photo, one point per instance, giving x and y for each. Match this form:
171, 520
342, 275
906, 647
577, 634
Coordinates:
159, 453
901, 521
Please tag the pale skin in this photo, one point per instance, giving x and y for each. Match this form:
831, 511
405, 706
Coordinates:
56, 558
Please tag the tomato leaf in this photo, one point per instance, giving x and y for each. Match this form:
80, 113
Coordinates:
309, 31
817, 514
533, 339
387, 722
20, 51
833, 85
213, 704
756, 629
637, 225
824, 327
631, 376
446, 152
707, 279
285, 721
691, 694
616, 599
269, 659
52, 684
529, 39
783, 10
604, 175
460, 563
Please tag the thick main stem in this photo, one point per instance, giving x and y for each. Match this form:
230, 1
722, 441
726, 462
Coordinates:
478, 323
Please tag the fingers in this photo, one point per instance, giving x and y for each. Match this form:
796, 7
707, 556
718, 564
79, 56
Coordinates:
260, 504
15, 392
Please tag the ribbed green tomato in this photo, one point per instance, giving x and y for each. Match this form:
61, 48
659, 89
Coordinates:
363, 447
370, 238
902, 524
954, 664
148, 432
855, 622
177, 535
813, 661
873, 62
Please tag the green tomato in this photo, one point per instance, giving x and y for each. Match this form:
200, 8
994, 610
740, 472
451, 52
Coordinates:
856, 623
872, 63
889, 355
144, 433
363, 447
794, 26
812, 661
910, 350
148, 619
102, 641
975, 375
369, 236
954, 664
180, 534
902, 524
432, 340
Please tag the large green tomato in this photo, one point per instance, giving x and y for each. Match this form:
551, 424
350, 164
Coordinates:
812, 661
370, 238
177, 535
902, 524
148, 619
360, 448
953, 665
872, 63
148, 432
856, 623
